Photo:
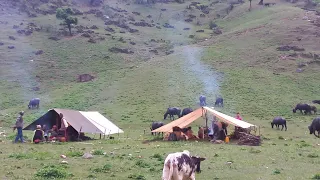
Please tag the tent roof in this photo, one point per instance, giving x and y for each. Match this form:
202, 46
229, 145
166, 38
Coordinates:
229, 119
181, 122
88, 122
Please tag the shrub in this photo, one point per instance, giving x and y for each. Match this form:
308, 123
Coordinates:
212, 25
19, 156
98, 152
104, 169
74, 153
313, 155
52, 172
142, 164
276, 171
316, 176
158, 156
137, 177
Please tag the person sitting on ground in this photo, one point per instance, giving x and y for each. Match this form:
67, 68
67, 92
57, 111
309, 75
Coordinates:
46, 132
53, 132
38, 135
238, 116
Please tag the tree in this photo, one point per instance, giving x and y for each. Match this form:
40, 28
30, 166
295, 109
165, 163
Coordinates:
65, 14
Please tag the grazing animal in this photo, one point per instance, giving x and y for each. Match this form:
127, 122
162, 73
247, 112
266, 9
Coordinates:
180, 165
268, 4
315, 126
156, 125
35, 102
316, 101
302, 107
219, 102
314, 109
202, 99
277, 121
172, 111
186, 111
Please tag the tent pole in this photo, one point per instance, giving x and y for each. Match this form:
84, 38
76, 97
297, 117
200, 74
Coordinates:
104, 136
100, 135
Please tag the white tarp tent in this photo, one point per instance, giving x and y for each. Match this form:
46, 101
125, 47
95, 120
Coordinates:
229, 119
102, 123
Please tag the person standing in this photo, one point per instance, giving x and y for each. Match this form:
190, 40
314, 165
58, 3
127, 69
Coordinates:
19, 126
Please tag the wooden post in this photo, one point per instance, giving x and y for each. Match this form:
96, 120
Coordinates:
100, 135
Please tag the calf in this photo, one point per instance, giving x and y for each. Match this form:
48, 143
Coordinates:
279, 121
181, 165
34, 103
219, 102
302, 107
156, 125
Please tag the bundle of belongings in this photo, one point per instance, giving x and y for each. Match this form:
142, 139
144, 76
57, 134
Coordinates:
180, 134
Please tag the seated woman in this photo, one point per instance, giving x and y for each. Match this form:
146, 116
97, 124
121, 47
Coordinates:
53, 132
38, 135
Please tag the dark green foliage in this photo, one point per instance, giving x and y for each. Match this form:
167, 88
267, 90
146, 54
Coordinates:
66, 15
52, 172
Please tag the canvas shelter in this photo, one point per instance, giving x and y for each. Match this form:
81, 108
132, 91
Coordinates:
81, 121
191, 117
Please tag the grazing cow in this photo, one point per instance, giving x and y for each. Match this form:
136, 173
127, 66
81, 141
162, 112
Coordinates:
314, 109
180, 165
186, 111
156, 125
302, 107
202, 99
219, 102
279, 121
315, 126
34, 103
316, 101
172, 111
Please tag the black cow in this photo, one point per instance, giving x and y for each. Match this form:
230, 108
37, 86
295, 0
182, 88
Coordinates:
219, 102
35, 102
314, 109
156, 125
186, 111
277, 121
316, 101
172, 111
202, 99
302, 107
315, 126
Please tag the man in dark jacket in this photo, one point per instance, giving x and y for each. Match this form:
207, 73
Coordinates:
19, 126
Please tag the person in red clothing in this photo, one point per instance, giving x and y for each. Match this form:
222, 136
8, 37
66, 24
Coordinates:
238, 116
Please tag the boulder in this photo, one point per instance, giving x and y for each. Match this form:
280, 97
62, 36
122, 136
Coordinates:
288, 48
87, 156
120, 50
85, 77
94, 27
39, 52
11, 47
12, 38
1, 43
91, 40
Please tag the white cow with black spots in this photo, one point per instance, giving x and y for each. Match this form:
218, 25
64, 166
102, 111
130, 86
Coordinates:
181, 166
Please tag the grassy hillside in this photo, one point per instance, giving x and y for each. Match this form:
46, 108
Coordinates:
242, 64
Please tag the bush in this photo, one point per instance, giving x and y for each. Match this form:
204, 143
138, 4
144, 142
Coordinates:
104, 169
212, 25
158, 156
313, 155
52, 172
316, 176
19, 156
142, 164
74, 153
137, 177
98, 152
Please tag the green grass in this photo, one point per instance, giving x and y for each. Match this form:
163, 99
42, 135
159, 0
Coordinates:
134, 90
